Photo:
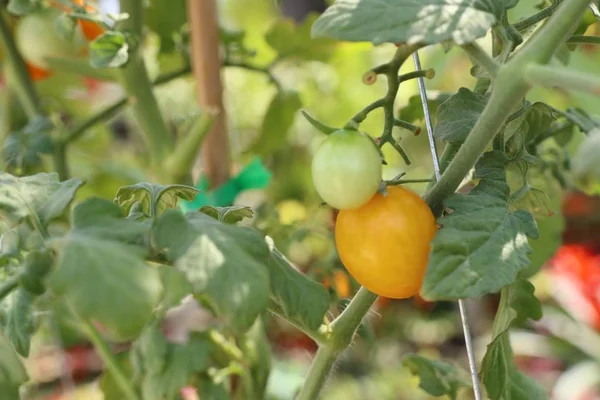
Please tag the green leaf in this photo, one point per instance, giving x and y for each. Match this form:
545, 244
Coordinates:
293, 295
165, 18
500, 376
102, 279
482, 245
291, 40
564, 135
21, 7
108, 385
413, 111
18, 314
65, 26
457, 115
209, 389
154, 198
228, 215
532, 122
110, 50
175, 287
42, 196
257, 354
225, 264
437, 377
277, 122
12, 372
408, 21
10, 242
23, 149
167, 367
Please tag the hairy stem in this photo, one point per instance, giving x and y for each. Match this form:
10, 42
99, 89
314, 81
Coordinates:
563, 78
21, 82
580, 39
535, 18
136, 83
479, 55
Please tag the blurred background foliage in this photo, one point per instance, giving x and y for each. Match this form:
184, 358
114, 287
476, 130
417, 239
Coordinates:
328, 79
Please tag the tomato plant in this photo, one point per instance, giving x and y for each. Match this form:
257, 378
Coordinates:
346, 169
385, 243
204, 280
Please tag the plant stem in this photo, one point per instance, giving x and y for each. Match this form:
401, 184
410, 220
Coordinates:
508, 91
535, 18
81, 67
580, 39
479, 55
180, 162
318, 373
107, 356
8, 286
21, 84
343, 330
60, 160
563, 78
250, 67
104, 114
136, 83
545, 41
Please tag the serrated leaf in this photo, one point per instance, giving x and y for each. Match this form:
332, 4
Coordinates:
21, 7
408, 21
291, 40
293, 295
41, 195
457, 115
482, 245
153, 198
102, 279
228, 215
535, 120
18, 314
437, 377
12, 371
10, 242
277, 122
500, 376
225, 264
110, 50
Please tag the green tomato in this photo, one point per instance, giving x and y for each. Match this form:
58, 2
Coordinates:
37, 38
346, 169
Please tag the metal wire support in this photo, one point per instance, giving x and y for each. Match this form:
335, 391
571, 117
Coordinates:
436, 167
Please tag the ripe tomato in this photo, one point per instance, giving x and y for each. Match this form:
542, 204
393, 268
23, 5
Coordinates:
346, 169
385, 243
37, 38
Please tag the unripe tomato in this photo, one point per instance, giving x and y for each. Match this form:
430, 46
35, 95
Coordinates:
37, 38
385, 243
346, 169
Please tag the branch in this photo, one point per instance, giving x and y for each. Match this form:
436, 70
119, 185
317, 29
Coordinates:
579, 39
343, 330
563, 78
136, 83
22, 84
535, 18
479, 55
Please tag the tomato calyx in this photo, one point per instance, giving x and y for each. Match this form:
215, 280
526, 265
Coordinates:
318, 124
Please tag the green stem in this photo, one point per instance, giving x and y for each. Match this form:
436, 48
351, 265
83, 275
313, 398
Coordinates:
552, 131
108, 357
479, 55
136, 83
545, 41
403, 181
508, 91
318, 373
21, 83
104, 114
535, 18
563, 78
81, 67
343, 330
362, 115
250, 67
60, 160
179, 163
424, 73
8, 286
579, 39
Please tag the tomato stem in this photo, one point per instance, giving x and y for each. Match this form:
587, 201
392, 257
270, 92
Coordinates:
482, 58
563, 78
535, 18
108, 357
22, 85
581, 39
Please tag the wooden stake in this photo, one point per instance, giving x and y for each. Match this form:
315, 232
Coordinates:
206, 65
